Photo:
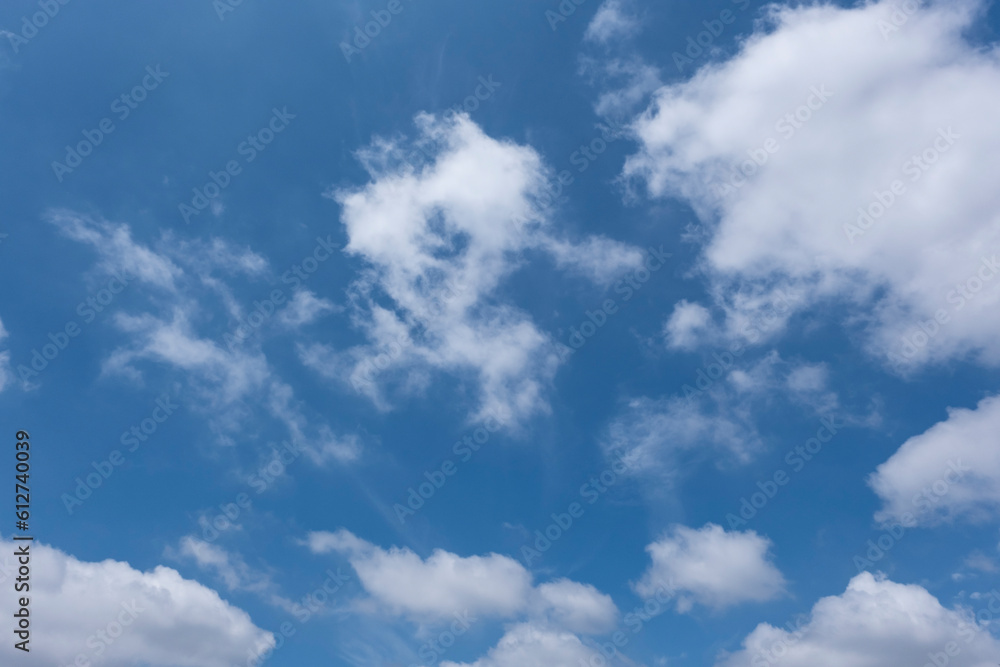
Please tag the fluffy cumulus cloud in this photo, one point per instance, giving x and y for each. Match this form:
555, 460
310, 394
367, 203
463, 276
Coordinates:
805, 160
875, 623
951, 470
228, 375
442, 585
439, 233
712, 567
549, 622
526, 645
116, 616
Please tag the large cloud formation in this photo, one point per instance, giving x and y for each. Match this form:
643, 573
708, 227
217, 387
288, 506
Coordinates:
875, 623
439, 238
549, 623
951, 470
116, 616
807, 161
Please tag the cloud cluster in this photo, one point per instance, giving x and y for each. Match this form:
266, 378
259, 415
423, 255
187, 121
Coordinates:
228, 375
117, 616
804, 158
549, 619
874, 623
438, 239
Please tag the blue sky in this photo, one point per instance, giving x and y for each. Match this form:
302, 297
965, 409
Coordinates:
504, 324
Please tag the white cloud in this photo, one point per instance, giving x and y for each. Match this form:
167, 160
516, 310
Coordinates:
686, 326
875, 623
948, 471
305, 308
445, 584
526, 645
230, 567
712, 567
783, 227
226, 372
577, 607
116, 248
171, 621
612, 21
716, 414
439, 241
440, 586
